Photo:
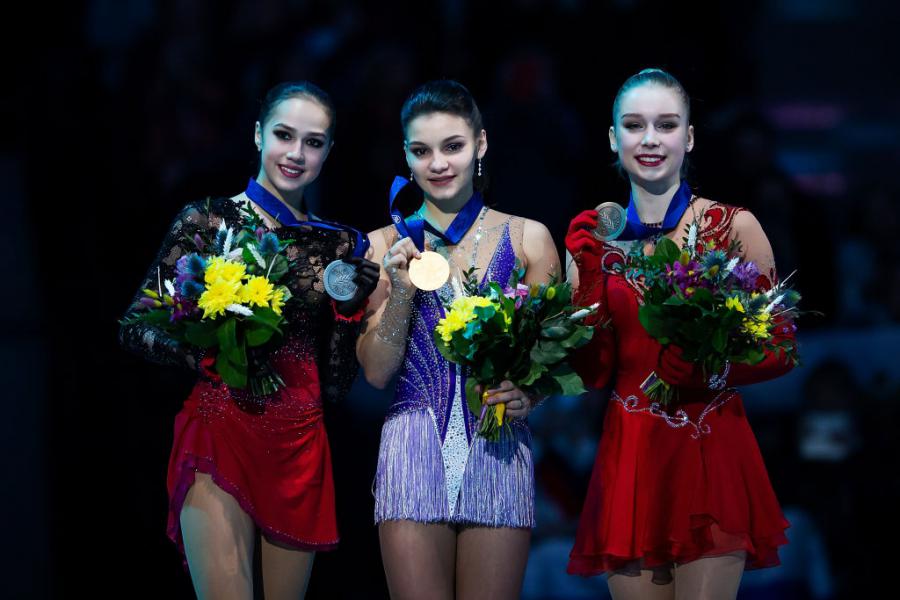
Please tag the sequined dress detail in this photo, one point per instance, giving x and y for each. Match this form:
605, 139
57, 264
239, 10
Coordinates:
674, 484
272, 457
432, 467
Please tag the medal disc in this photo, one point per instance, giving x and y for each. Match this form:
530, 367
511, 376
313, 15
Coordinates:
429, 272
610, 221
338, 280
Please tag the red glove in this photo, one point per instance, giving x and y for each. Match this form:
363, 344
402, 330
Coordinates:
581, 243
772, 365
675, 370
207, 366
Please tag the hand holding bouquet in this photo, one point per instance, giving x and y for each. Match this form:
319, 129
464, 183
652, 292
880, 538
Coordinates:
706, 302
225, 297
520, 333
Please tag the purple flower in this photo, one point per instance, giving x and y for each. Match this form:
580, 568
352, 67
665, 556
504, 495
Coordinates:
684, 276
150, 302
520, 293
198, 241
191, 265
746, 274
183, 309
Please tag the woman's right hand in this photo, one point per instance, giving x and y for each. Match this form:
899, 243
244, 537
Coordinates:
396, 262
581, 242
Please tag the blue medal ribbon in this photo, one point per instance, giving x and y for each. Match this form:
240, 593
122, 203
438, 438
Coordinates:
275, 207
635, 230
414, 226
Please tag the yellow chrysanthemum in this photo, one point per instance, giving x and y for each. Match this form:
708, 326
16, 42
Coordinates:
453, 322
218, 296
462, 310
759, 329
277, 300
734, 304
219, 268
257, 292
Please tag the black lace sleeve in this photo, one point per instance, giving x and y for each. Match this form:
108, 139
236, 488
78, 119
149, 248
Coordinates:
149, 341
337, 353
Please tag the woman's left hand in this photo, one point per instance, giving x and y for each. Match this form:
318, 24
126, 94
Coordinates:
366, 279
518, 403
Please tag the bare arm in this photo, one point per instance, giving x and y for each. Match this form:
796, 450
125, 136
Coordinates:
382, 343
541, 265
541, 259
755, 247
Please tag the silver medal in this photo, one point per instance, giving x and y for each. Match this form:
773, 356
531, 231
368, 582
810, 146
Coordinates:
610, 221
338, 280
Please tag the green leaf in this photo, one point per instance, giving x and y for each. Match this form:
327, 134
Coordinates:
229, 345
262, 326
257, 335
570, 384
667, 250
579, 337
486, 370
555, 332
202, 333
535, 373
279, 268
719, 340
473, 399
231, 374
548, 353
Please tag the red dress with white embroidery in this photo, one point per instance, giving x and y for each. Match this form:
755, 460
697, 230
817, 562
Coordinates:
670, 486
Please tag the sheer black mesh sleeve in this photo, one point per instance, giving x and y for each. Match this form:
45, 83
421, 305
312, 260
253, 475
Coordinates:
149, 341
337, 361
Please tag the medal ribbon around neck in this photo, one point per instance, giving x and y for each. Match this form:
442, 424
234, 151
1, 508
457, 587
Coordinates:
414, 226
275, 207
635, 230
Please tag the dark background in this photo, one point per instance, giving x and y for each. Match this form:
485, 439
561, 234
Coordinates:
117, 113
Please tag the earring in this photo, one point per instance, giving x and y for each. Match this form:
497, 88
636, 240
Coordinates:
479, 167
411, 175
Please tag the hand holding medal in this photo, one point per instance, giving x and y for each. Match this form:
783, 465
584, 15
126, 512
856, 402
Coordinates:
397, 260
348, 281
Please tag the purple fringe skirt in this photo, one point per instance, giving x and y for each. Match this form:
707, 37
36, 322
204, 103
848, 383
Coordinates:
497, 488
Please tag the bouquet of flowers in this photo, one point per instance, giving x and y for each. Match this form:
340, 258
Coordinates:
225, 297
706, 301
521, 333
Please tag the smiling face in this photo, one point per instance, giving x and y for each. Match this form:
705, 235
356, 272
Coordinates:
294, 143
651, 135
441, 150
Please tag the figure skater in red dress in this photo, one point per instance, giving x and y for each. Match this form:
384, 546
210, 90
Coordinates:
247, 470
679, 502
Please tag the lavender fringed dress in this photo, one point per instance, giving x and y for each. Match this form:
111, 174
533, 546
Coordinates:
432, 467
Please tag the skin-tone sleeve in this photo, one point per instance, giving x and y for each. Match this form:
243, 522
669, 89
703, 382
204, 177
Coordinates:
382, 342
755, 247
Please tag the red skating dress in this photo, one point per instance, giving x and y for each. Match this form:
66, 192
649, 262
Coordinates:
272, 457
671, 486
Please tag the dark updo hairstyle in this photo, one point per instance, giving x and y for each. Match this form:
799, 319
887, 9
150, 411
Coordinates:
446, 96
293, 89
653, 77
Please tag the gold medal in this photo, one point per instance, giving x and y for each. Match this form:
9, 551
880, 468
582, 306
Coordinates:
429, 272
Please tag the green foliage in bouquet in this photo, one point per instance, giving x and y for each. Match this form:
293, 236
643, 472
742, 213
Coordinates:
521, 333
